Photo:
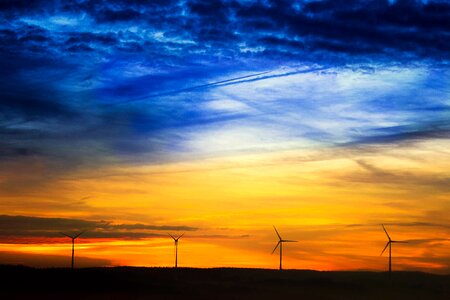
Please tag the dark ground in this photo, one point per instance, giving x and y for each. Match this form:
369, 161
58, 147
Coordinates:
223, 283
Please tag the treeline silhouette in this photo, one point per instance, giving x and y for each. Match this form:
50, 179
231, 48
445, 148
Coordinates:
217, 283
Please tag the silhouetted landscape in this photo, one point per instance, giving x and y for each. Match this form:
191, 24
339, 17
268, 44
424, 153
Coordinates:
217, 283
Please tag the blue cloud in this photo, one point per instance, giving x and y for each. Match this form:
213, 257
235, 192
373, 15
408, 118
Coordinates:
148, 80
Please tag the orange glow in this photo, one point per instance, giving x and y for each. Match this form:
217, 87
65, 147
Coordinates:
332, 202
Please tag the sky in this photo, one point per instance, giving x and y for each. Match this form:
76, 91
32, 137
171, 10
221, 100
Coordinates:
132, 119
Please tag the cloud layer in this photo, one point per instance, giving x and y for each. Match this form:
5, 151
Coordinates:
67, 64
36, 227
229, 29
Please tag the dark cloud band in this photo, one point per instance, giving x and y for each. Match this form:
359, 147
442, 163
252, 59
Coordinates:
23, 226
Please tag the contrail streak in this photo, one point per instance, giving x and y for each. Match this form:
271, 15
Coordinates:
143, 98
227, 82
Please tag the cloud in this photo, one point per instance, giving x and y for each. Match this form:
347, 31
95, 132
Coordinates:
402, 224
129, 81
45, 260
220, 236
438, 130
302, 29
428, 242
377, 175
13, 227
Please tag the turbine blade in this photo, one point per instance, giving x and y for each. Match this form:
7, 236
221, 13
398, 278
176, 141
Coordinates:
279, 242
66, 235
289, 241
386, 232
180, 236
172, 236
279, 236
387, 244
79, 234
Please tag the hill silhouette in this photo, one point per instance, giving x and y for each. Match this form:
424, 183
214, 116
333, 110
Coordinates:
218, 283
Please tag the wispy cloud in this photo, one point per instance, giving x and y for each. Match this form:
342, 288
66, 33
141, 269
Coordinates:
23, 226
163, 68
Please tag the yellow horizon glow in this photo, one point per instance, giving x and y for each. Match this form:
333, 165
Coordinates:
331, 200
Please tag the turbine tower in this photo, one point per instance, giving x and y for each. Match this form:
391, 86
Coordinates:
280, 243
176, 248
74, 237
389, 243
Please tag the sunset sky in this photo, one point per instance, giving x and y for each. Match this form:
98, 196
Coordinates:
131, 119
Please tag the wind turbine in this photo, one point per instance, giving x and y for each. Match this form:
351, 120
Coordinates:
389, 243
280, 243
176, 248
73, 237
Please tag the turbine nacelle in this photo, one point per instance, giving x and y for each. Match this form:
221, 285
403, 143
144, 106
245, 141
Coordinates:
174, 238
390, 241
73, 237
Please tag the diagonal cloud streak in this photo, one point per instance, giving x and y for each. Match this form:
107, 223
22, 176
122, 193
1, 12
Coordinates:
227, 82
188, 89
